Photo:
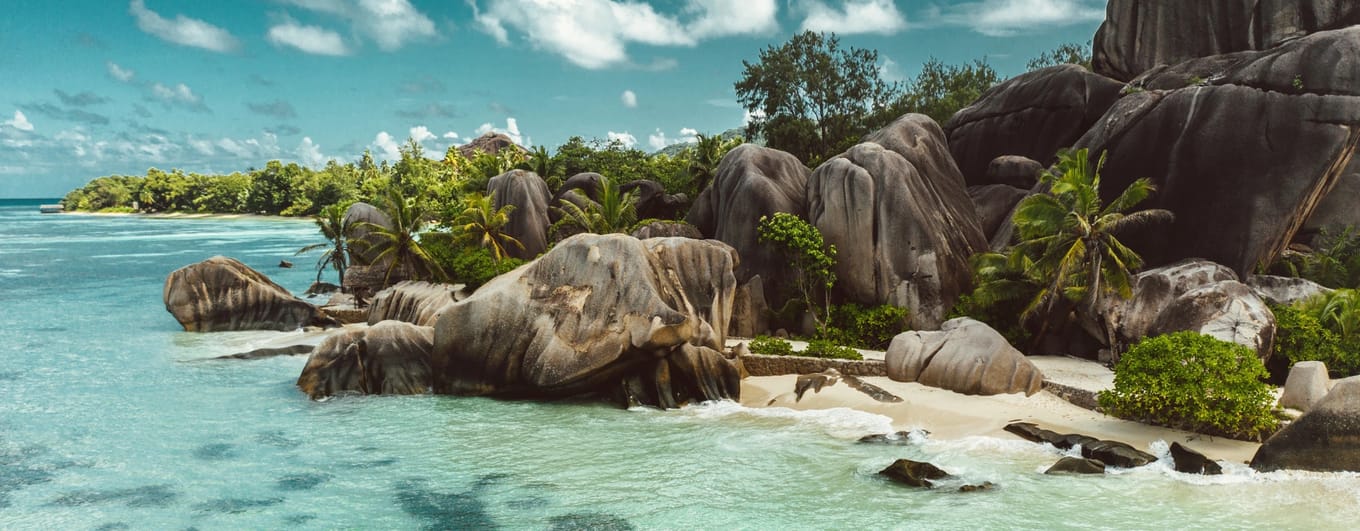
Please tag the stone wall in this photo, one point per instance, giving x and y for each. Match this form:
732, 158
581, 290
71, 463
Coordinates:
759, 365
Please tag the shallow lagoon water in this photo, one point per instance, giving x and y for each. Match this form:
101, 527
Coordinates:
111, 418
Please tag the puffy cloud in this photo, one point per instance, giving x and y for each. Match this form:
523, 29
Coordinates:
388, 23
179, 95
384, 146
853, 16
276, 108
314, 40
999, 18
658, 140
421, 133
595, 34
309, 153
451, 136
511, 130
254, 150
624, 138
629, 99
119, 73
20, 122
690, 132
182, 30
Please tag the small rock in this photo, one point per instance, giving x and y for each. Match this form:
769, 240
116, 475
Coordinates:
913, 473
815, 382
1306, 385
1192, 462
986, 485
1076, 465
901, 438
285, 264
1116, 454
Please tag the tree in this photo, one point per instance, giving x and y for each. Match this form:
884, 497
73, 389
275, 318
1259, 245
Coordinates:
482, 224
940, 90
810, 258
544, 165
616, 211
706, 154
331, 221
1066, 53
808, 96
399, 245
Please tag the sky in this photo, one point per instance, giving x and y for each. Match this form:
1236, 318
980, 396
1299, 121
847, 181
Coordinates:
98, 87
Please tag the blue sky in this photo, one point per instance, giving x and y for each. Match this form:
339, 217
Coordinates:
95, 87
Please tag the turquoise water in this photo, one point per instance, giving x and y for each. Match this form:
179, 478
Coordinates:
110, 418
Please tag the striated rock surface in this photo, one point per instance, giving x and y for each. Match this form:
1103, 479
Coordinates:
900, 219
1326, 438
389, 358
1285, 290
752, 182
415, 302
1032, 115
1242, 160
529, 221
222, 294
667, 229
965, 356
597, 314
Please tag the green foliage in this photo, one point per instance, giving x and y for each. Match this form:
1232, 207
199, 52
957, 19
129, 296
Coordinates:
810, 258
466, 264
705, 156
808, 94
1000, 294
331, 222
399, 245
1192, 381
614, 212
869, 328
1300, 336
940, 90
1335, 263
822, 348
1066, 53
771, 346
482, 224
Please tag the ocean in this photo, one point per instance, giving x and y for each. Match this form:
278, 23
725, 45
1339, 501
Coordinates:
112, 417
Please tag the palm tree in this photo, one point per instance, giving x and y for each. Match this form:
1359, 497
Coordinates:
543, 164
706, 155
331, 221
1069, 251
484, 224
399, 245
616, 211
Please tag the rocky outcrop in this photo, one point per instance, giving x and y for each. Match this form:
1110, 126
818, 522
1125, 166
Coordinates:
1326, 438
750, 311
359, 218
965, 356
389, 358
604, 314
1192, 462
900, 219
1306, 386
1014, 170
1076, 465
1111, 453
415, 302
1032, 115
222, 294
581, 190
752, 182
1192, 295
1242, 160
1337, 210
1285, 290
667, 229
529, 220
913, 473
490, 143
995, 204
652, 201
1140, 34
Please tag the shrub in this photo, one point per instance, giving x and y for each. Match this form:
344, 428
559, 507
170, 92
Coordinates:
808, 256
1192, 381
467, 264
771, 346
821, 348
1300, 336
872, 328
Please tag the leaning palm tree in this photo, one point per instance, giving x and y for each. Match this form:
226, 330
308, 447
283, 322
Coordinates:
482, 223
1069, 240
331, 220
398, 246
616, 211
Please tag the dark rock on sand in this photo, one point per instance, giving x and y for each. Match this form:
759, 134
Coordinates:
1326, 438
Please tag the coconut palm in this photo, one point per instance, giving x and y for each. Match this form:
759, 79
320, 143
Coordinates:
542, 163
616, 211
331, 221
399, 245
482, 223
708, 153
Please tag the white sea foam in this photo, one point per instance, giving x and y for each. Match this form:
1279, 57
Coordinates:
843, 423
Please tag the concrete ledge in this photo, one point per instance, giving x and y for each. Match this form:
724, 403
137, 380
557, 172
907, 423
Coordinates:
759, 365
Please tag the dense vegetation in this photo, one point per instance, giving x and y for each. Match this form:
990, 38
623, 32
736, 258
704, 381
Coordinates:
816, 348
1325, 329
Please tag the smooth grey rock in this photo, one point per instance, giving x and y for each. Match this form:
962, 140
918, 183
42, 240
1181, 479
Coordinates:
1326, 438
1015, 170
390, 358
1306, 386
965, 356
222, 294
749, 311
415, 302
529, 220
652, 201
1283, 291
995, 205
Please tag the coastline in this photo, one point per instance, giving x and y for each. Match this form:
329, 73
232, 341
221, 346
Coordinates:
186, 215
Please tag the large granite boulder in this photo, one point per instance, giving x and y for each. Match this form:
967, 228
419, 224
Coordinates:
1337, 210
1242, 160
1032, 115
529, 220
1285, 290
581, 190
491, 143
995, 205
415, 302
900, 219
222, 294
360, 217
388, 358
752, 182
596, 314
653, 202
1306, 385
1326, 438
1194, 295
1015, 170
965, 356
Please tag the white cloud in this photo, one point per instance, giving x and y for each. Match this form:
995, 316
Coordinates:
179, 95
595, 34
314, 40
385, 147
421, 133
511, 130
624, 138
19, 122
253, 150
450, 135
629, 99
120, 73
202, 146
309, 153
182, 30
688, 132
999, 18
658, 140
854, 17
389, 23
748, 117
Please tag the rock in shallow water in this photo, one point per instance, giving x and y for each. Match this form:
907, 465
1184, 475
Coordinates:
913, 473
1192, 462
1076, 465
1326, 438
222, 294
390, 357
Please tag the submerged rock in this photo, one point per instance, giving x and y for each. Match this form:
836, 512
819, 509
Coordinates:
965, 356
390, 358
222, 294
913, 473
1076, 465
1326, 438
901, 438
1192, 462
1112, 453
